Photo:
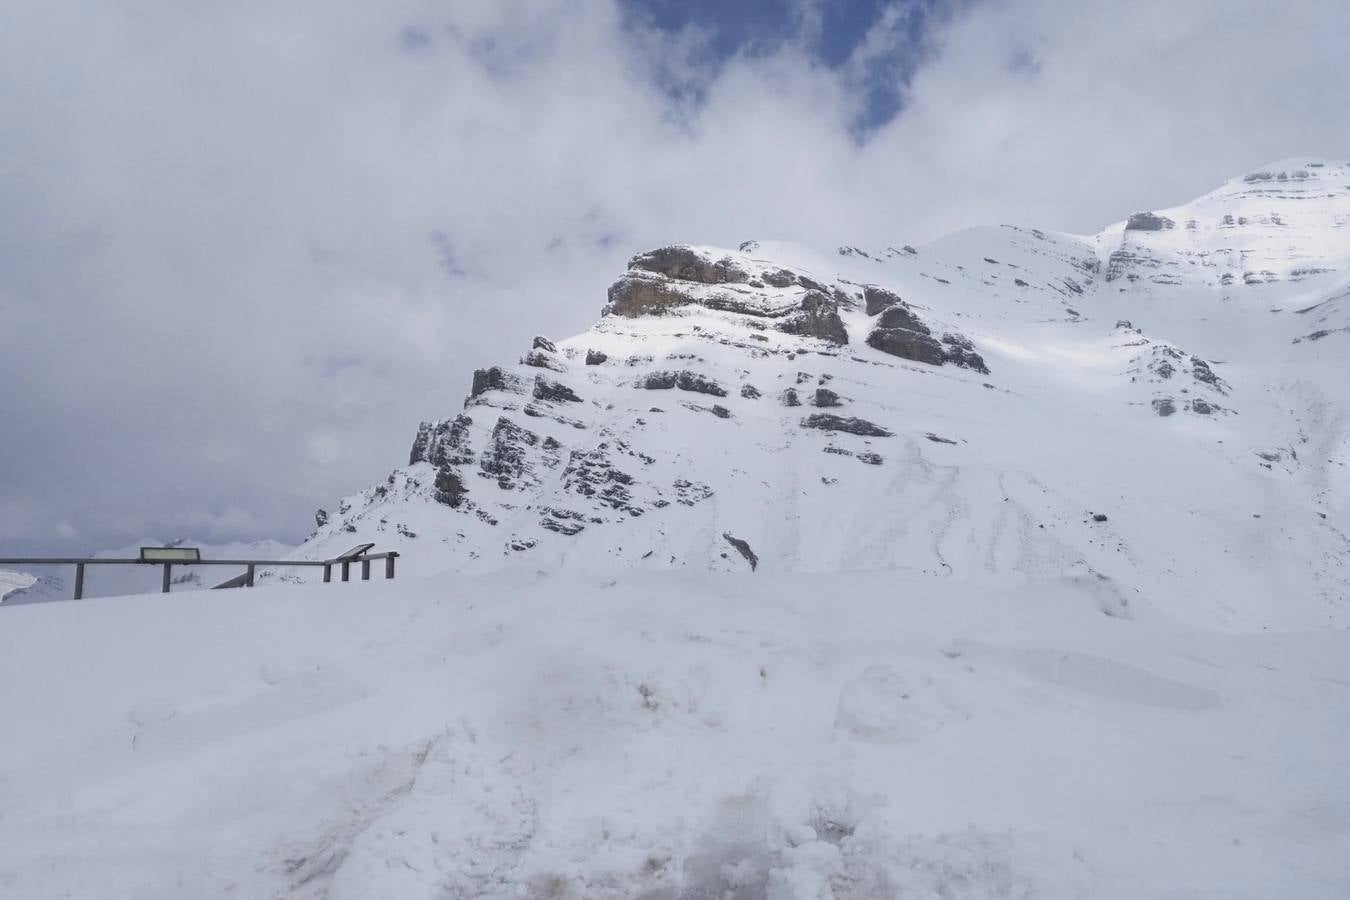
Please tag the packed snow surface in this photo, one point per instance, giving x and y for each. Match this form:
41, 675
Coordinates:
664, 735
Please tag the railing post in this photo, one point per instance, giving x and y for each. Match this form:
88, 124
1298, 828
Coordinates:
79, 580
346, 569
327, 572
389, 565
168, 568
248, 581
365, 570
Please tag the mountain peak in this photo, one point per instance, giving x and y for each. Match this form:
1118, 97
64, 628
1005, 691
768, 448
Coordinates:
1003, 402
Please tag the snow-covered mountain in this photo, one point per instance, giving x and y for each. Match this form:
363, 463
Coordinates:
57, 582
997, 567
1161, 409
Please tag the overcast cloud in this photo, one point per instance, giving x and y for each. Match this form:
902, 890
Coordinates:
246, 246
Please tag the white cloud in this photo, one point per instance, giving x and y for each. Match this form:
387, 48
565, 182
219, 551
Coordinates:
225, 227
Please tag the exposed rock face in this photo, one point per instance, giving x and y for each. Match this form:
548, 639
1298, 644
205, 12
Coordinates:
494, 379
1202, 373
595, 358
818, 318
450, 488
907, 344
790, 397
505, 457
961, 352
684, 264
320, 517
831, 422
825, 398
1149, 222
899, 332
554, 392
540, 359
562, 521
877, 299
593, 474
1161, 363
442, 443
636, 295
543, 343
743, 548
685, 381
750, 392
780, 278
899, 315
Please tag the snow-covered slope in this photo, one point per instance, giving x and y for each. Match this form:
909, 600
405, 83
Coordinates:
57, 582
840, 736
1161, 408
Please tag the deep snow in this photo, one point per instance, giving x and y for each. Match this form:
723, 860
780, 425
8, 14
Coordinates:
665, 735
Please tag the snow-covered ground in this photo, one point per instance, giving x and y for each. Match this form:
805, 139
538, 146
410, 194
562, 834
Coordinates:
664, 735
14, 581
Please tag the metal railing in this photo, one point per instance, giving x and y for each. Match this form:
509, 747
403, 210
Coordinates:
358, 554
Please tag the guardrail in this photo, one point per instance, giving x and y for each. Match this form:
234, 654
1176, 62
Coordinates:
187, 556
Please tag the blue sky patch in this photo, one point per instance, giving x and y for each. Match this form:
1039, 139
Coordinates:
878, 74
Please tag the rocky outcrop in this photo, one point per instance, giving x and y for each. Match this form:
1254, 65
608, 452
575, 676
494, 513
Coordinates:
743, 548
686, 264
960, 351
907, 344
554, 392
684, 380
638, 294
443, 443
817, 318
825, 397
849, 424
900, 333
899, 315
877, 299
592, 474
595, 358
505, 459
494, 379
540, 359
1146, 221
450, 488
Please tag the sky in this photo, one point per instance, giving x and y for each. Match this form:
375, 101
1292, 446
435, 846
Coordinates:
247, 245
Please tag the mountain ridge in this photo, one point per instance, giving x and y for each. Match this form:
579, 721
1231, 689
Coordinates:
1151, 408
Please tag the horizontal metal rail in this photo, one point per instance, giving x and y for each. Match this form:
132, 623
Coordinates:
359, 554
63, 561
